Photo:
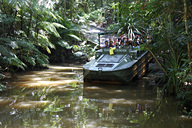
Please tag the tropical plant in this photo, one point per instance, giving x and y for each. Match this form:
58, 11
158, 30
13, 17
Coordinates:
173, 45
169, 22
27, 33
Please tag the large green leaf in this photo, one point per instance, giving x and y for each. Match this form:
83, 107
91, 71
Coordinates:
74, 37
51, 27
63, 43
59, 25
44, 41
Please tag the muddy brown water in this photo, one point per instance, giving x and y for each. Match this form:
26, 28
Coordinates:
58, 98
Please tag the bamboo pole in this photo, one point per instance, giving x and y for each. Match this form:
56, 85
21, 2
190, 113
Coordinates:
148, 48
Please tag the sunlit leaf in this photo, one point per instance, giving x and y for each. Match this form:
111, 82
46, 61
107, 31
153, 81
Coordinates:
2, 87
48, 50
110, 106
52, 15
85, 99
59, 25
75, 37
74, 85
63, 43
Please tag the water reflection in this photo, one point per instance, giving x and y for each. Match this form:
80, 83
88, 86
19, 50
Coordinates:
58, 98
121, 106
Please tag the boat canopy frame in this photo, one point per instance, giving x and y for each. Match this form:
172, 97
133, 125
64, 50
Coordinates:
131, 34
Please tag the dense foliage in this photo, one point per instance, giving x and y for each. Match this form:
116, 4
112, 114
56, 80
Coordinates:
169, 21
29, 32
34, 32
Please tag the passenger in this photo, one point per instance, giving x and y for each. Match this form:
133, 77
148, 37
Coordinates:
109, 39
124, 39
121, 44
111, 44
138, 41
115, 41
148, 39
134, 44
117, 45
128, 44
118, 39
106, 44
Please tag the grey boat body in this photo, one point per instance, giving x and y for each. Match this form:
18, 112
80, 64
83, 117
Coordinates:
121, 67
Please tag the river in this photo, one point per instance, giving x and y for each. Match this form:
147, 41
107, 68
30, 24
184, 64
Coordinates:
58, 98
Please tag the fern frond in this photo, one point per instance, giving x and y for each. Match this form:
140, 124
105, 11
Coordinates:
63, 43
12, 61
5, 51
2, 40
2, 76
8, 42
2, 87
50, 28
7, 20
53, 15
44, 41
42, 59
30, 60
25, 44
17, 62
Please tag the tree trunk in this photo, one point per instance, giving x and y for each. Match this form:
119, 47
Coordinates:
29, 26
120, 8
3, 7
37, 29
101, 3
186, 29
64, 7
11, 31
21, 23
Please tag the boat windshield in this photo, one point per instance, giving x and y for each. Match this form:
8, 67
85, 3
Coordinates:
111, 59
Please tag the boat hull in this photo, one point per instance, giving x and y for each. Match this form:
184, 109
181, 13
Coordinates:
123, 76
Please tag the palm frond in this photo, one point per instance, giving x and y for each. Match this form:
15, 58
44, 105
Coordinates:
51, 27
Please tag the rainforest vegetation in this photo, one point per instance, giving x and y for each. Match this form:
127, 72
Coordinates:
34, 33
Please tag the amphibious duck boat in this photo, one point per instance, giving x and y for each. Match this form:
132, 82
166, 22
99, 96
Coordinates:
122, 66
